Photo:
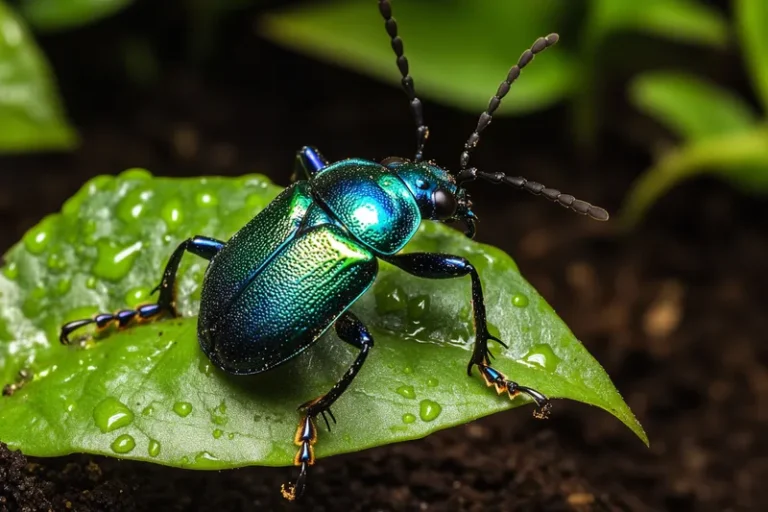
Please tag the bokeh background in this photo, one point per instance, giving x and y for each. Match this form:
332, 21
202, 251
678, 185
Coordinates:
655, 110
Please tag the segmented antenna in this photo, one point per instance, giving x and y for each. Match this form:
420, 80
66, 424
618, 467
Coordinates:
539, 46
422, 132
566, 200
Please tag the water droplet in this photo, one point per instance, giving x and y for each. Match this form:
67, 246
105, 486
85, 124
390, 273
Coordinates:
432, 382
113, 262
63, 286
407, 392
203, 458
519, 300
429, 410
136, 296
135, 173
231, 436
390, 300
37, 238
123, 444
219, 414
11, 270
132, 206
408, 418
148, 411
154, 448
206, 199
418, 307
35, 302
542, 355
56, 262
111, 414
172, 214
407, 370
205, 367
90, 283
217, 433
182, 408
185, 460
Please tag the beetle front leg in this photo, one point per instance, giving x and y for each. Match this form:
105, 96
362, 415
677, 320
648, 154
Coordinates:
166, 304
351, 330
445, 266
309, 161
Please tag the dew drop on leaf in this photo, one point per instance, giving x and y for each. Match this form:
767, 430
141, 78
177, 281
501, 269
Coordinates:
408, 418
154, 448
111, 414
519, 300
406, 392
418, 307
123, 444
172, 214
217, 433
543, 356
36, 239
11, 271
114, 262
429, 410
182, 408
432, 382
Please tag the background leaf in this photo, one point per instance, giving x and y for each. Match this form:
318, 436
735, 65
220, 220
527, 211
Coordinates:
51, 15
31, 115
148, 392
687, 21
459, 51
690, 106
752, 23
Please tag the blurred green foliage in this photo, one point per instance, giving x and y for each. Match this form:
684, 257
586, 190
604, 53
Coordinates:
720, 133
31, 115
459, 50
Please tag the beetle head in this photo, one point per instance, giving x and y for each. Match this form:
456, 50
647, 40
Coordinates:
436, 191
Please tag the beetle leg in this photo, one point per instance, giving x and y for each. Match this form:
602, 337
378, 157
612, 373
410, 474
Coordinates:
444, 266
199, 245
309, 161
351, 330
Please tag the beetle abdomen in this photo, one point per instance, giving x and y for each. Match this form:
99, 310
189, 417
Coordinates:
249, 249
290, 302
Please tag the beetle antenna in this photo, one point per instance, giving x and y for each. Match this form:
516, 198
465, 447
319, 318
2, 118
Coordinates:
422, 132
565, 200
538, 46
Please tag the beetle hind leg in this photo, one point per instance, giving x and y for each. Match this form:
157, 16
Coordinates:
352, 331
445, 266
166, 304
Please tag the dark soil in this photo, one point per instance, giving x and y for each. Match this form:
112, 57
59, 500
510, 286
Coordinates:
675, 310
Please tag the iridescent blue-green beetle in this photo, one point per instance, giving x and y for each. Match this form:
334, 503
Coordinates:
294, 270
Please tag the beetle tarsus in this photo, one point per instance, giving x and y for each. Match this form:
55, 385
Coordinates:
500, 382
293, 492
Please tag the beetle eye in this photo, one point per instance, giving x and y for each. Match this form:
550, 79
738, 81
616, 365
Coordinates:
393, 160
445, 204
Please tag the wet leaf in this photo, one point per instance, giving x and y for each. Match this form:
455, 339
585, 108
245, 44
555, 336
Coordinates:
31, 115
50, 15
459, 52
148, 392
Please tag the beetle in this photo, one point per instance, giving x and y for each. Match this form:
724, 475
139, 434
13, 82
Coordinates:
292, 272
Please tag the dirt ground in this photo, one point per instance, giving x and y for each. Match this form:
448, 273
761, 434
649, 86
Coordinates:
675, 310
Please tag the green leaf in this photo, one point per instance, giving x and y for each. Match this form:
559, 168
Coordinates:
31, 115
752, 23
688, 21
691, 107
740, 158
459, 52
148, 393
52, 15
